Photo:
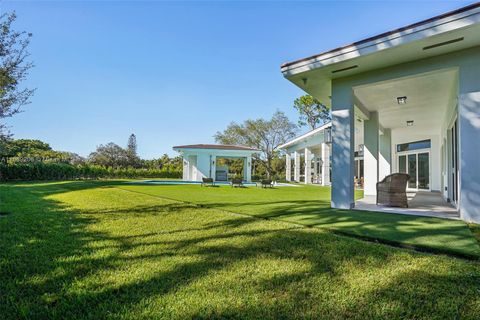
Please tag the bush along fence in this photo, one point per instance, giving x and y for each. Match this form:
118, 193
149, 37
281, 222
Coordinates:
64, 171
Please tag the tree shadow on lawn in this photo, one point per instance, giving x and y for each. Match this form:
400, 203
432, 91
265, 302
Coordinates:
48, 251
422, 233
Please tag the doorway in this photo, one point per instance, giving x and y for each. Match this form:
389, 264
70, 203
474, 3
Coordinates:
417, 165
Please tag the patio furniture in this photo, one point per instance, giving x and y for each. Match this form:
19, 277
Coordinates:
359, 183
208, 182
392, 190
266, 183
236, 182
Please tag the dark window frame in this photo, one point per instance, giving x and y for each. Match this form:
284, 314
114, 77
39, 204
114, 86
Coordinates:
414, 145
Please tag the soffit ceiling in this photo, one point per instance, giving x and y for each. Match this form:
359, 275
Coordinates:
428, 98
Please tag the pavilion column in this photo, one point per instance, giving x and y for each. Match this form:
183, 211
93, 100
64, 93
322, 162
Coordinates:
186, 169
296, 166
288, 167
308, 166
315, 173
325, 164
247, 168
343, 133
213, 167
370, 154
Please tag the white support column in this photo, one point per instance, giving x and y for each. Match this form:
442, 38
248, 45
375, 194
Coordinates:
288, 167
315, 173
468, 148
247, 168
308, 166
213, 167
296, 166
370, 154
325, 164
343, 132
186, 169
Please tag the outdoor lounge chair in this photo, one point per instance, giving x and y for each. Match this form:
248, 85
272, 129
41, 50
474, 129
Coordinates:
392, 190
266, 183
236, 183
208, 182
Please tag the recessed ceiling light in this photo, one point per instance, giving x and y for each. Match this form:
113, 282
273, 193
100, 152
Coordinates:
402, 100
409, 123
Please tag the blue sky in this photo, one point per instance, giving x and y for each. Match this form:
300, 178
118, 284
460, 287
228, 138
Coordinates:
177, 72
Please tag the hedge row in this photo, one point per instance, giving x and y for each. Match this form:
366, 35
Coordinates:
62, 171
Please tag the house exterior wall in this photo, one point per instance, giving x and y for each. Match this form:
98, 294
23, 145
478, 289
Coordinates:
467, 62
385, 154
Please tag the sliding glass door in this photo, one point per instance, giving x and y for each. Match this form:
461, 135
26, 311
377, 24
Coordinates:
417, 166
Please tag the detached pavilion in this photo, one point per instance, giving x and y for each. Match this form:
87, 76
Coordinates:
200, 161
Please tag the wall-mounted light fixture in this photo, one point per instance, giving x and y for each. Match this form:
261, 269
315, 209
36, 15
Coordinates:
402, 100
409, 123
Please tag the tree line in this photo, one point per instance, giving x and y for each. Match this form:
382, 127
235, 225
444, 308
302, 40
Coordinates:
27, 159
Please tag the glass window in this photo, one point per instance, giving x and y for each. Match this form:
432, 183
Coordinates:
423, 171
412, 170
424, 144
402, 164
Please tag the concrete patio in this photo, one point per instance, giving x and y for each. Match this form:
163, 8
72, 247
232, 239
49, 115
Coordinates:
422, 203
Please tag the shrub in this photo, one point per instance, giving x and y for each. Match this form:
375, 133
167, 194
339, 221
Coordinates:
64, 171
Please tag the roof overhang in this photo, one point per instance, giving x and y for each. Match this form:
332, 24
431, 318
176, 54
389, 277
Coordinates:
306, 136
453, 31
217, 150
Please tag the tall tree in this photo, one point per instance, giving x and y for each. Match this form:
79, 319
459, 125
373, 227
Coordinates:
133, 159
265, 135
132, 145
14, 68
312, 112
109, 155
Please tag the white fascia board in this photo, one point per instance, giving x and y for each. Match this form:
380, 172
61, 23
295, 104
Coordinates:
447, 24
217, 152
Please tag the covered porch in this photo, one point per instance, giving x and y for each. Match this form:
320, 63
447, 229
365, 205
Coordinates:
416, 93
409, 127
307, 157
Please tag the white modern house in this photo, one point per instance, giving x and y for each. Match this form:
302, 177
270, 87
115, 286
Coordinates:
309, 156
200, 161
416, 93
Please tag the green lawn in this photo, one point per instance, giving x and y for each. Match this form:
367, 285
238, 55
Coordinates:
95, 250
310, 205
